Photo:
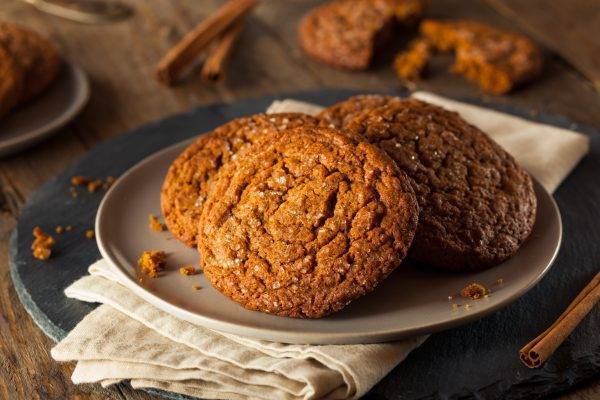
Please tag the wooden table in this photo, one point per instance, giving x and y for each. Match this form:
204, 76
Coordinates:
120, 59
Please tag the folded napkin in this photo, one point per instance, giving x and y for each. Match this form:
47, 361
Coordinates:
128, 339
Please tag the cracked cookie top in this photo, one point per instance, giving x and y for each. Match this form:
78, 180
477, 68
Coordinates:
306, 221
477, 203
339, 114
188, 180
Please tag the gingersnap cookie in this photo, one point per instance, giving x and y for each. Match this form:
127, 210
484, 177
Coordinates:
36, 56
494, 59
11, 79
305, 222
339, 114
346, 33
477, 203
189, 177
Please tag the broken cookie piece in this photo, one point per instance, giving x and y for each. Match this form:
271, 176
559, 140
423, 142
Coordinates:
42, 244
494, 59
152, 262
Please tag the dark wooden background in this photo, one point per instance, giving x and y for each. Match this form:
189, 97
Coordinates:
120, 59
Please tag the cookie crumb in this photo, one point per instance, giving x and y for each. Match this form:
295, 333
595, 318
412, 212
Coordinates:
94, 185
89, 234
80, 180
42, 244
59, 229
152, 262
155, 224
188, 270
474, 291
196, 287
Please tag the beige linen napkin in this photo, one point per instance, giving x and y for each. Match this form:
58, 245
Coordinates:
128, 339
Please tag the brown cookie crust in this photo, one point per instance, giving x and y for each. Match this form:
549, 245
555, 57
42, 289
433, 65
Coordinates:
494, 59
339, 114
305, 222
11, 80
346, 33
189, 177
36, 56
477, 203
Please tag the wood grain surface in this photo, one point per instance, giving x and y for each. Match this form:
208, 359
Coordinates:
569, 27
120, 60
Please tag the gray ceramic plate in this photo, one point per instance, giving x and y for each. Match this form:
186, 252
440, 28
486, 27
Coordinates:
45, 115
411, 301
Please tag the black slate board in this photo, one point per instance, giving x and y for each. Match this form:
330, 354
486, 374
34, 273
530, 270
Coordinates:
475, 361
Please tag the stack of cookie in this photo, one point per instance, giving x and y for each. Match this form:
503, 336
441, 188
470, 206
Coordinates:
29, 63
297, 216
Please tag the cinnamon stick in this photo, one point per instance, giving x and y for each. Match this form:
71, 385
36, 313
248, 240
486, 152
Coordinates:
213, 68
536, 352
197, 40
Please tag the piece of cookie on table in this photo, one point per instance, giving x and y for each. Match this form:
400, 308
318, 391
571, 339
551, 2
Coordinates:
347, 33
496, 60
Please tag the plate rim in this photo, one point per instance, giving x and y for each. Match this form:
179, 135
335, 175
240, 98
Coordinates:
317, 338
11, 145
